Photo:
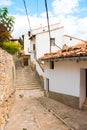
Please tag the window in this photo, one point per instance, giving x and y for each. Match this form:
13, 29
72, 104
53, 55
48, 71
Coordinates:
51, 64
52, 40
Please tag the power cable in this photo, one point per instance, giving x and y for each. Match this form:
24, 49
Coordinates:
48, 23
27, 14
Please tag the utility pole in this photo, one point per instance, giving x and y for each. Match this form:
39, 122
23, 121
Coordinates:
48, 23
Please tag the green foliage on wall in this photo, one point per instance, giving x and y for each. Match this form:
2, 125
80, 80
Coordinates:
11, 47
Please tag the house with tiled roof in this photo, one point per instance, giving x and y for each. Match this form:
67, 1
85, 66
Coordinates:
65, 75
36, 44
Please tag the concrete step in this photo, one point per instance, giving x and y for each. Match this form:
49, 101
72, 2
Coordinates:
27, 88
26, 79
28, 85
26, 82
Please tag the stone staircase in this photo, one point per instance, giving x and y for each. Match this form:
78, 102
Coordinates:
26, 79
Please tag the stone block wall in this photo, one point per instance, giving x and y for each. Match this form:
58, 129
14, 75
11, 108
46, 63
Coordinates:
7, 86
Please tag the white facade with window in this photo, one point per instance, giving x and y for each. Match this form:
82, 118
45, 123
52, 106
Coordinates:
68, 81
42, 42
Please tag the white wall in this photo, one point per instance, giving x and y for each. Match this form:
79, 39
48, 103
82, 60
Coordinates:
63, 79
42, 39
43, 44
26, 44
33, 52
68, 77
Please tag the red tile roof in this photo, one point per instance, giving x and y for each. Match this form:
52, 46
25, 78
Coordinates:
74, 51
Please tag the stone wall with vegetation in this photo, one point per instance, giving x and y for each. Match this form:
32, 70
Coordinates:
7, 86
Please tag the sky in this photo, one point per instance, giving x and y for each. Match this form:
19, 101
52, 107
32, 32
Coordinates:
72, 14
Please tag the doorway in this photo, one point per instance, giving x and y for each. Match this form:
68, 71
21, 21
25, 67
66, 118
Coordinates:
25, 60
83, 86
47, 85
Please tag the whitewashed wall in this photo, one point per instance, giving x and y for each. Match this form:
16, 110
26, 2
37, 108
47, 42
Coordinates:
28, 47
63, 79
42, 39
43, 44
26, 44
68, 78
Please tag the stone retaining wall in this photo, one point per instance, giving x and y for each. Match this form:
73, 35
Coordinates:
7, 86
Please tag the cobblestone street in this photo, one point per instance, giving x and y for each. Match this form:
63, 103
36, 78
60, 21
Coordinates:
27, 112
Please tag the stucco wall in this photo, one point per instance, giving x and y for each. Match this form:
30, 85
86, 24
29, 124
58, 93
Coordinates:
43, 44
63, 79
67, 78
7, 86
26, 44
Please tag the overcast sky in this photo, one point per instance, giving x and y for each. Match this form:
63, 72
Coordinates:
72, 14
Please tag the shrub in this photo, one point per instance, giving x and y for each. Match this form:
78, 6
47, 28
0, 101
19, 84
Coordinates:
11, 47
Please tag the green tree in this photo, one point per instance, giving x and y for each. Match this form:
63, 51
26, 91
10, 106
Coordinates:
7, 21
6, 25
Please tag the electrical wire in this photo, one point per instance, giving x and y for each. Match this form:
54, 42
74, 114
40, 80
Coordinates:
27, 14
48, 23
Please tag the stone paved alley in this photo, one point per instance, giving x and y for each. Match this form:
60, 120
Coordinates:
32, 111
27, 112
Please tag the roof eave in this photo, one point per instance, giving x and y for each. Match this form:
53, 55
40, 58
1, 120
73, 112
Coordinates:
78, 58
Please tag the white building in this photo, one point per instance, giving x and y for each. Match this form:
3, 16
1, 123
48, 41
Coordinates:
65, 75
37, 43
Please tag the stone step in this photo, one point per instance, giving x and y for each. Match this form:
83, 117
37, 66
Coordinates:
30, 80
31, 88
28, 85
26, 79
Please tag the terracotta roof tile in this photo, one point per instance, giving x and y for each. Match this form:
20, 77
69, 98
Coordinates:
77, 50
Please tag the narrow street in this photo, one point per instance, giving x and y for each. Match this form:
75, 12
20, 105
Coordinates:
27, 113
